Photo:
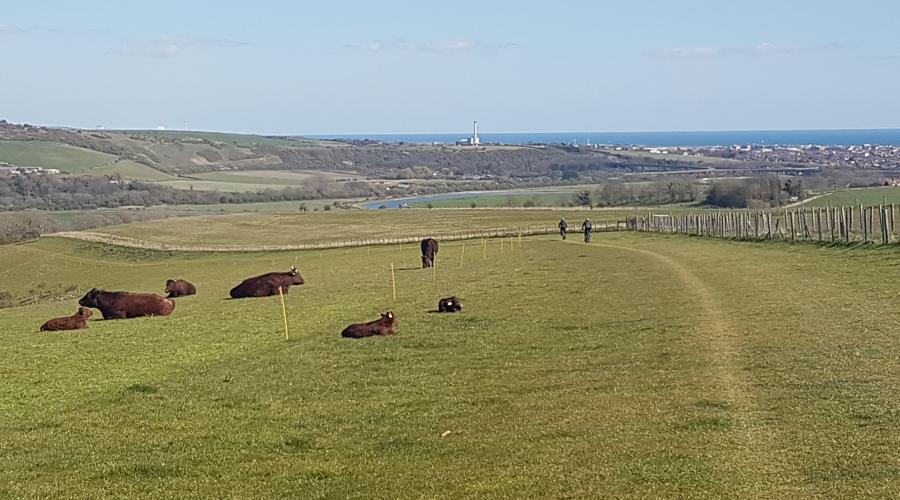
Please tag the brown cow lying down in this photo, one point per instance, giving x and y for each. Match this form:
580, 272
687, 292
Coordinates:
267, 284
449, 305
75, 322
120, 305
386, 325
179, 288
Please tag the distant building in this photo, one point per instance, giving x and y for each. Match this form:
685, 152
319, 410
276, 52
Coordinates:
471, 141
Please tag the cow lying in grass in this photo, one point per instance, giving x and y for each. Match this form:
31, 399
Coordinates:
386, 325
75, 322
267, 284
449, 305
179, 288
121, 305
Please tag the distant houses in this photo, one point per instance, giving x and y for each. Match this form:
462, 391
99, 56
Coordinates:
8, 169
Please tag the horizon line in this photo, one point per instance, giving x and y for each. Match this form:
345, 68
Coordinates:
463, 133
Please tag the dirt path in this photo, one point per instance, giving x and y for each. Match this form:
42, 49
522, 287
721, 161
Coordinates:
754, 441
804, 202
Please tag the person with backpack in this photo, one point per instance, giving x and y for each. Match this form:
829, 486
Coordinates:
587, 227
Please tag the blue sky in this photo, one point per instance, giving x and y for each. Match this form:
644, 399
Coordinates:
417, 66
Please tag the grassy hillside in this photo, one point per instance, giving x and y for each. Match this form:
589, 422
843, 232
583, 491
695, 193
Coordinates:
636, 367
226, 138
67, 158
129, 170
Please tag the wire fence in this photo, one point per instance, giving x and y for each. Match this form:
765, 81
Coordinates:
858, 224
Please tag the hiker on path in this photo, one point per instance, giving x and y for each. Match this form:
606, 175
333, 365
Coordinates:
563, 227
587, 227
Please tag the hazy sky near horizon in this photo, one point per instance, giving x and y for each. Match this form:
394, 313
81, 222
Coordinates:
399, 66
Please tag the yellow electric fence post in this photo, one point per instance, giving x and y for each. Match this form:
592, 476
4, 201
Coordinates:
520, 238
501, 244
483, 249
393, 281
284, 314
462, 255
434, 270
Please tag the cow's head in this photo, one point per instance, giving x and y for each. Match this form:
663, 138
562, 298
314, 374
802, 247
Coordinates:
90, 298
84, 312
295, 277
170, 286
389, 318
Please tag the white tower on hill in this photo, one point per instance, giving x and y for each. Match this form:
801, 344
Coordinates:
475, 140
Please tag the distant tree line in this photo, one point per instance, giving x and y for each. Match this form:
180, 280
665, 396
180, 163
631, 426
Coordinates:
47, 192
51, 192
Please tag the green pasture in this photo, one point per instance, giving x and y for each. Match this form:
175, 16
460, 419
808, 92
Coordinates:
639, 366
129, 170
224, 186
852, 197
67, 158
511, 200
251, 180
222, 137
343, 225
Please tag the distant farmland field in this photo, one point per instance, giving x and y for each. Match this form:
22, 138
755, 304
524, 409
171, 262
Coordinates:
511, 200
296, 228
52, 155
866, 196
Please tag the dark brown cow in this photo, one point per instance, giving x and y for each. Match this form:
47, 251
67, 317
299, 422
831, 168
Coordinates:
267, 284
429, 251
121, 305
75, 322
179, 288
385, 325
450, 305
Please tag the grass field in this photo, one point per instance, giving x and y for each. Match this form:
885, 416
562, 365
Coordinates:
224, 137
637, 367
513, 200
852, 197
296, 228
227, 187
129, 170
52, 155
252, 180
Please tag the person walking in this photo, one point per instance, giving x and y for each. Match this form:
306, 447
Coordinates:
587, 227
563, 227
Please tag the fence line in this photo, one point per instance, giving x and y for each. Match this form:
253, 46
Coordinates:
863, 224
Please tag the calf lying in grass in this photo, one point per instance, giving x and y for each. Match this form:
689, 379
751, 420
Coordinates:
386, 325
179, 288
75, 322
449, 305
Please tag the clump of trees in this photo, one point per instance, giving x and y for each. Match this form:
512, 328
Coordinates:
643, 193
753, 193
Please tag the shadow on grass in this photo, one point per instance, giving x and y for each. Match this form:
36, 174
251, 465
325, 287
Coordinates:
142, 389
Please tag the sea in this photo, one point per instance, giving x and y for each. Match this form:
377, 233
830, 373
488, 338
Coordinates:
852, 137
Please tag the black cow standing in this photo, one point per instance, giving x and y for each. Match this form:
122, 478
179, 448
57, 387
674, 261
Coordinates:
429, 251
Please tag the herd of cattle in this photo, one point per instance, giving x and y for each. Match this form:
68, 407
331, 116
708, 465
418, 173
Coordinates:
122, 305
